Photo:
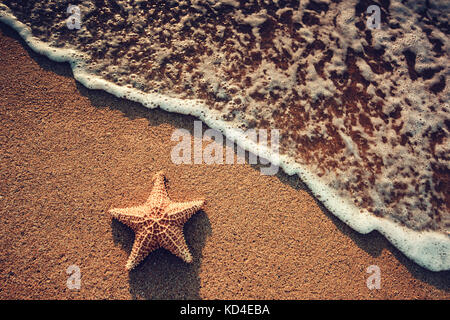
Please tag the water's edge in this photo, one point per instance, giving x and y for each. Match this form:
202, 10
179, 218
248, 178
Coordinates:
429, 249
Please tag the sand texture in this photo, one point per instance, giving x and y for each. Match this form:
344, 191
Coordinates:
69, 154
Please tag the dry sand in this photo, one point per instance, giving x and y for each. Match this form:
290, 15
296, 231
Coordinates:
68, 154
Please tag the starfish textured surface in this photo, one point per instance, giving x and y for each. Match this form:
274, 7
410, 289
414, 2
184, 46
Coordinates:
157, 223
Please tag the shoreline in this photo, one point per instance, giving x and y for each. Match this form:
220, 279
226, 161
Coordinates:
96, 150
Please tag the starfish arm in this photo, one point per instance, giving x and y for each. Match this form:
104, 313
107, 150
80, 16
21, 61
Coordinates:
132, 217
159, 196
180, 212
174, 242
144, 243
157, 223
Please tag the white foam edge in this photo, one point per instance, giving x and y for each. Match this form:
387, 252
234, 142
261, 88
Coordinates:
428, 249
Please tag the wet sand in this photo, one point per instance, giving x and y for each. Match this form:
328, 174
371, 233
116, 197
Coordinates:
68, 154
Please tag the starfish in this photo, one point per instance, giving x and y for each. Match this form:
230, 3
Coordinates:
157, 223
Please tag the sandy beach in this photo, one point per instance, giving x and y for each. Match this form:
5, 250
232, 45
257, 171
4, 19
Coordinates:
69, 154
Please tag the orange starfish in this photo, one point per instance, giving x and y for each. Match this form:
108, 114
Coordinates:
157, 223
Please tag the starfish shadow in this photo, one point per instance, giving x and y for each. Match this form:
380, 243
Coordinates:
162, 275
